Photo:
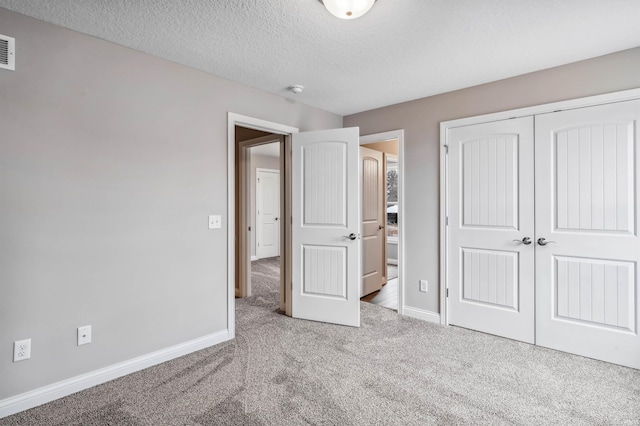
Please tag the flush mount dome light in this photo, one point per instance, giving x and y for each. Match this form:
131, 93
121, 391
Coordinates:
348, 9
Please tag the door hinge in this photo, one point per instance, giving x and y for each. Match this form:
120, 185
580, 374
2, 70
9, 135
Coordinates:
446, 221
447, 292
446, 149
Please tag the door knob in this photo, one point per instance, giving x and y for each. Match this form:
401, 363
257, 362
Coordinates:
543, 242
351, 236
526, 241
276, 218
380, 227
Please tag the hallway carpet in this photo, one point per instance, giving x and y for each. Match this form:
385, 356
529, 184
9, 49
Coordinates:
392, 370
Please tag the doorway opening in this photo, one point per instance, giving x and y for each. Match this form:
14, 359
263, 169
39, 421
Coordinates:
320, 247
245, 135
389, 147
258, 205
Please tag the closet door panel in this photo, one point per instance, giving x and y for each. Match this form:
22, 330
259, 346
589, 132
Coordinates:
490, 272
586, 211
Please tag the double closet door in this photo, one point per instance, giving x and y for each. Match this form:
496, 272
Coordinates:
542, 238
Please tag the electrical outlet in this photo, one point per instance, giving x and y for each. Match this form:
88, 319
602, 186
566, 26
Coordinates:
424, 286
84, 335
21, 350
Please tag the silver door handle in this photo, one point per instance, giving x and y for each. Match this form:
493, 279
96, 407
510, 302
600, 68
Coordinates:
526, 241
543, 242
351, 236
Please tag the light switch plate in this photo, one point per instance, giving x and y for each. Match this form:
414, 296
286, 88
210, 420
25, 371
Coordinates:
215, 221
424, 286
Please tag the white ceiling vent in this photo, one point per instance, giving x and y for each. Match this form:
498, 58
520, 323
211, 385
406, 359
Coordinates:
7, 52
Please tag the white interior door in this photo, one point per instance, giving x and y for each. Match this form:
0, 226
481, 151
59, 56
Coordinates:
587, 195
491, 225
267, 213
372, 187
325, 228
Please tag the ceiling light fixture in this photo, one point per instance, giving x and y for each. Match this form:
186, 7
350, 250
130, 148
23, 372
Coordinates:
348, 9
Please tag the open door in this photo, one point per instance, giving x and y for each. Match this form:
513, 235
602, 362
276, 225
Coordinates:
325, 226
374, 261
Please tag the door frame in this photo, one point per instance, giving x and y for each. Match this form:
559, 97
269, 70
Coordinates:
258, 192
625, 95
399, 136
234, 120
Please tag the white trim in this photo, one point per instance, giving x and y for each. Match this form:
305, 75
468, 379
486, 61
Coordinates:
443, 227
625, 95
382, 137
392, 262
49, 393
234, 120
399, 136
254, 258
421, 314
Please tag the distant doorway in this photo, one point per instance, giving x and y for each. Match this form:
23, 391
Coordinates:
390, 145
267, 211
258, 203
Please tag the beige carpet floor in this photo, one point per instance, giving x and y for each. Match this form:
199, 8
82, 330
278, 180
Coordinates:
392, 370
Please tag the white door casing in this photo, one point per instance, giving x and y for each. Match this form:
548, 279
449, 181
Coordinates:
587, 195
267, 213
372, 187
325, 212
490, 266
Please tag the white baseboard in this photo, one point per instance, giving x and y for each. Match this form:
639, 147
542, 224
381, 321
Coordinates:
254, 258
392, 262
422, 314
48, 393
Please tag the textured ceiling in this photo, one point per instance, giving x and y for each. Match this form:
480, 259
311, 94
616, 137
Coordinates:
401, 50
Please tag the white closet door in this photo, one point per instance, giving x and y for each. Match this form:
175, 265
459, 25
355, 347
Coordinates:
587, 185
490, 269
268, 213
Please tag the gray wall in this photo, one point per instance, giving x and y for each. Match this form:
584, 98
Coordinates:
420, 119
257, 162
110, 162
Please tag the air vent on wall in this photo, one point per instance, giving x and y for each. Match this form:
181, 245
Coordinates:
7, 52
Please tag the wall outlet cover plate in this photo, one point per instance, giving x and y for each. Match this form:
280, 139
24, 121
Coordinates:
21, 350
84, 335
